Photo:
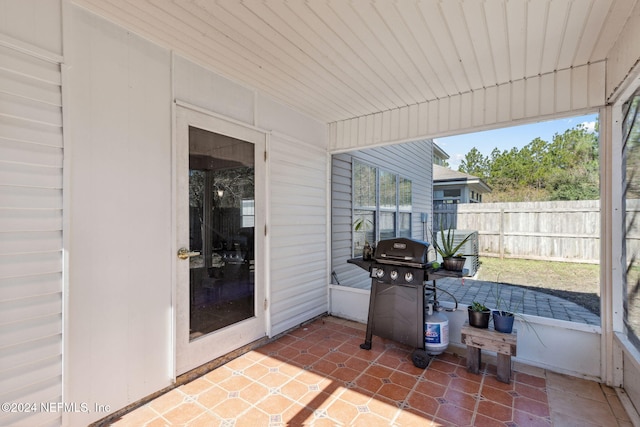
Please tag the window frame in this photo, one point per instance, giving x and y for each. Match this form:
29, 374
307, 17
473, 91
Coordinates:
379, 210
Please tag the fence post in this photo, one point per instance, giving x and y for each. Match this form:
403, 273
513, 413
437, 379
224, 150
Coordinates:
501, 234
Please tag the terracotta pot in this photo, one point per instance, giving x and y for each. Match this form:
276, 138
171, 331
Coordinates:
503, 321
453, 263
479, 319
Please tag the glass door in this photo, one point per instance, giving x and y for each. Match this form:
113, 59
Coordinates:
220, 296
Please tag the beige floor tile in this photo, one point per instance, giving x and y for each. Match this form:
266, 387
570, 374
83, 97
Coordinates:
578, 386
581, 408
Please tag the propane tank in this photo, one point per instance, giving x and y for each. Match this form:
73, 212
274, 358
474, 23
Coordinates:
436, 331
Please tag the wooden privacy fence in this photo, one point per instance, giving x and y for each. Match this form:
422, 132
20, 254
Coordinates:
551, 231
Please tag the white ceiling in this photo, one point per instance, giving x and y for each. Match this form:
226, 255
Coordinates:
340, 59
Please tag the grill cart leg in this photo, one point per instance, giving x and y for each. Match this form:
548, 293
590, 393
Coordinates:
366, 345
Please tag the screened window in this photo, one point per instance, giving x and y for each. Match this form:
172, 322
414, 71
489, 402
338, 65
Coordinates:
382, 204
631, 154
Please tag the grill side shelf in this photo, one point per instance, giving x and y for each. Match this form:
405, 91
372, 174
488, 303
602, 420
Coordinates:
431, 273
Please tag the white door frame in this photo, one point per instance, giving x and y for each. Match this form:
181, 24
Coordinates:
191, 354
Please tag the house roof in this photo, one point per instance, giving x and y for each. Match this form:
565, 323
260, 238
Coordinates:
445, 176
338, 60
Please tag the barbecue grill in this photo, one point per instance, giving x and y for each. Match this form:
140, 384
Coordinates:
398, 272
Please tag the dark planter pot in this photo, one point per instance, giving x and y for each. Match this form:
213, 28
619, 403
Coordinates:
453, 263
503, 321
479, 319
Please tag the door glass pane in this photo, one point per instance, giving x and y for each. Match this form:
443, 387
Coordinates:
221, 228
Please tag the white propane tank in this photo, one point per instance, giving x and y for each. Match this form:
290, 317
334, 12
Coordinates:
436, 332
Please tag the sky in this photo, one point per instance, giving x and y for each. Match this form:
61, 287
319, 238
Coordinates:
507, 138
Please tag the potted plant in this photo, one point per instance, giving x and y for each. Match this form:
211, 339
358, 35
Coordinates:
503, 321
479, 315
506, 311
448, 250
504, 314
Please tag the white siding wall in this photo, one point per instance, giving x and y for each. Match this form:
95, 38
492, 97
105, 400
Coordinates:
33, 25
120, 334
298, 232
558, 93
31, 165
412, 160
118, 129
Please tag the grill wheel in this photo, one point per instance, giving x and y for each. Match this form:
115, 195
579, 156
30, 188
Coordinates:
420, 358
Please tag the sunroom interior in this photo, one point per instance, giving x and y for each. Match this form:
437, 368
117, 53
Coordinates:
102, 93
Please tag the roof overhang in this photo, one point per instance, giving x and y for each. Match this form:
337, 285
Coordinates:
385, 71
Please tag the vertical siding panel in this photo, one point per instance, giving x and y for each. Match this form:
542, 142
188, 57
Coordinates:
394, 125
504, 103
491, 104
518, 92
340, 134
563, 91
466, 110
404, 119
433, 117
31, 162
369, 127
386, 126
423, 116
353, 132
362, 130
579, 80
532, 97
413, 120
477, 117
528, 98
377, 127
443, 114
333, 134
597, 90
454, 112
547, 94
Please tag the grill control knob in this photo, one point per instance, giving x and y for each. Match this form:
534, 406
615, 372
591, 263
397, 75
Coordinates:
379, 273
408, 277
394, 274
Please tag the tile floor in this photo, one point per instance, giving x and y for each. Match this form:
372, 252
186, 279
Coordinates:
317, 375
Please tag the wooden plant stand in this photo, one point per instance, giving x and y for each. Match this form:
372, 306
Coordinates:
504, 345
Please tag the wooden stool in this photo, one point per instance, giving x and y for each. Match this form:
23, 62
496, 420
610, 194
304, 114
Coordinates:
503, 344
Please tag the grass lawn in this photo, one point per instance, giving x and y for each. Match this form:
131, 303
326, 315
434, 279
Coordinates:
579, 283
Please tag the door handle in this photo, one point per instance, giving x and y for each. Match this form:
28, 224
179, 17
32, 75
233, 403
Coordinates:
184, 253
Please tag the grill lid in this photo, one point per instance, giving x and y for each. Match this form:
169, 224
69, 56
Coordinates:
402, 251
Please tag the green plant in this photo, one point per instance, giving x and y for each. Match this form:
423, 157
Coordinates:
447, 248
362, 224
510, 308
477, 306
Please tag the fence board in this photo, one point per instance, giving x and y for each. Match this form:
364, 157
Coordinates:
551, 231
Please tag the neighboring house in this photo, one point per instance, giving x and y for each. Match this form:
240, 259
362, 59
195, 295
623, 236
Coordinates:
440, 156
454, 187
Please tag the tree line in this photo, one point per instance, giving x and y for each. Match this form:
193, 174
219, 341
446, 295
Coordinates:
567, 168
